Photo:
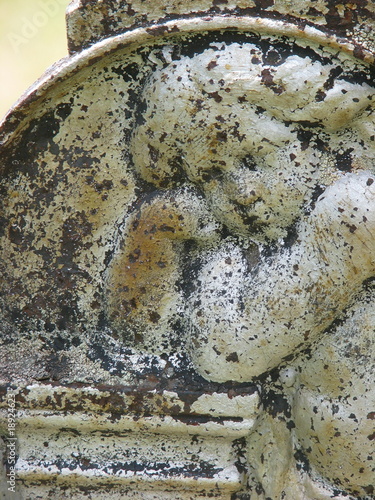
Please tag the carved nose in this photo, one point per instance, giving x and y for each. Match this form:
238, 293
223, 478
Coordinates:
244, 190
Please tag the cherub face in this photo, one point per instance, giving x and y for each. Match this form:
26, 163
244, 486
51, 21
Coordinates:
245, 131
260, 203
258, 192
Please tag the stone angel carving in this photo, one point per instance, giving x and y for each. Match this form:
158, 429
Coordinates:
260, 231
213, 200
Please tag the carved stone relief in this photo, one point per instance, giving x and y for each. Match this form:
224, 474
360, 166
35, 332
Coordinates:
187, 242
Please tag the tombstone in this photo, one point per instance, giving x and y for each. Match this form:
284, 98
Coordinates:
187, 256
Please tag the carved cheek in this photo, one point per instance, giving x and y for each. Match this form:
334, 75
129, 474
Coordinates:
287, 187
245, 188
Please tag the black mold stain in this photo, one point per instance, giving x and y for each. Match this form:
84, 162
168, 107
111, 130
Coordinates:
129, 73
302, 462
275, 403
344, 160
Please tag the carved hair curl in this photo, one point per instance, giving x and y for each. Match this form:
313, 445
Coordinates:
192, 97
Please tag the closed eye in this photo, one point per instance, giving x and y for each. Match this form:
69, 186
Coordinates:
213, 174
249, 163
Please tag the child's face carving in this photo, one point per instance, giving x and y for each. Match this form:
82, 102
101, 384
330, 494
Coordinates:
246, 132
260, 194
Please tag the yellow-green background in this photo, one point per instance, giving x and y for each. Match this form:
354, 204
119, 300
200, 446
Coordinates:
23, 59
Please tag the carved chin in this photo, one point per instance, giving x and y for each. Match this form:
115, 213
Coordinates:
257, 230
261, 228
266, 233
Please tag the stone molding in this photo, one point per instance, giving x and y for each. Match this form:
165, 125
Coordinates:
90, 22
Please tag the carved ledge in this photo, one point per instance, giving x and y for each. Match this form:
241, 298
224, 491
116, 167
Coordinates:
118, 439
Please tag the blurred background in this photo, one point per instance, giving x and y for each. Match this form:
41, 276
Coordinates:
32, 38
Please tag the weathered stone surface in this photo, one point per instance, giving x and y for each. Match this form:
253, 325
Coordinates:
187, 255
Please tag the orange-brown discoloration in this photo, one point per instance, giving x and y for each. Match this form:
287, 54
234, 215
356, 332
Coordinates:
142, 280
